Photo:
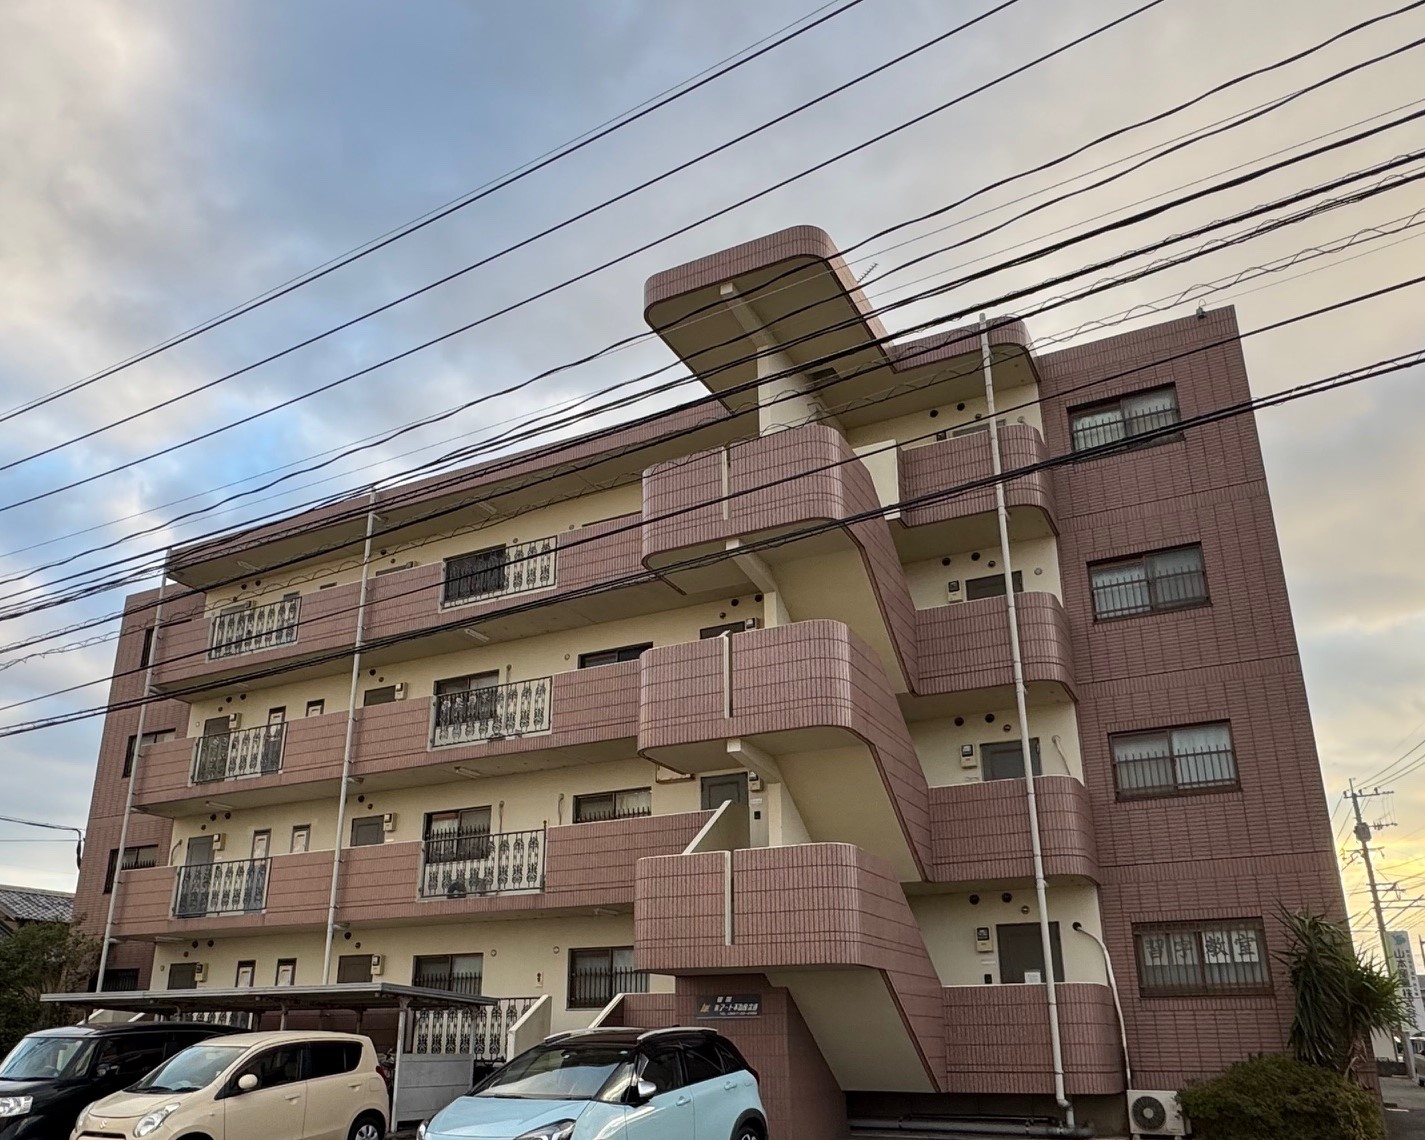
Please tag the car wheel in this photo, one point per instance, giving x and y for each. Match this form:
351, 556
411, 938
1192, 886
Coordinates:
747, 1132
368, 1127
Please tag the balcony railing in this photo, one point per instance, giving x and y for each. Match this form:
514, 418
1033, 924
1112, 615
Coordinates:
1174, 590
1124, 429
258, 627
204, 889
479, 1031
514, 568
481, 863
229, 755
491, 713
1202, 770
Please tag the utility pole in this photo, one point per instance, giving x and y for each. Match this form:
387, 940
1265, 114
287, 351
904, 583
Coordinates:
1363, 834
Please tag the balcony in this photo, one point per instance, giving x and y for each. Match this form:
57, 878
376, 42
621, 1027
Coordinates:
515, 568
997, 1040
980, 832
482, 863
962, 459
965, 647
253, 628
232, 755
206, 889
492, 713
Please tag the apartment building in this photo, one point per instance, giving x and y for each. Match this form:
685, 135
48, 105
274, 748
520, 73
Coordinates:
723, 705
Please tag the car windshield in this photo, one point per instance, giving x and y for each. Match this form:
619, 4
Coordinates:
196, 1067
47, 1058
561, 1072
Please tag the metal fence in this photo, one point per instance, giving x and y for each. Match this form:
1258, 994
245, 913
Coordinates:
258, 627
482, 864
238, 887
247, 752
477, 1031
493, 712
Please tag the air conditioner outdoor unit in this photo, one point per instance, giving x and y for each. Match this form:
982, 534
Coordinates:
200, 971
388, 821
376, 965
1155, 1113
400, 690
218, 840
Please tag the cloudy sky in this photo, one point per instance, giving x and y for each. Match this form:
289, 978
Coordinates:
164, 162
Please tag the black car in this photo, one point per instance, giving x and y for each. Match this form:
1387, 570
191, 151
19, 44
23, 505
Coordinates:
52, 1075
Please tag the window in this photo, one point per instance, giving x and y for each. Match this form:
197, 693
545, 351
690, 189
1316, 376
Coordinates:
281, 1066
1021, 952
1225, 956
627, 804
595, 976
183, 976
382, 696
393, 569
148, 738
134, 858
1004, 760
127, 979
1167, 761
701, 1061
454, 973
1113, 421
146, 653
353, 968
661, 1067
1166, 580
301, 838
368, 831
316, 708
332, 1058
452, 836
613, 656
475, 575
991, 586
718, 630
246, 974
286, 974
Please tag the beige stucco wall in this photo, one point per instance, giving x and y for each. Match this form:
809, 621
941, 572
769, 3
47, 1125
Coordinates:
1054, 724
908, 430
948, 921
522, 958
1037, 560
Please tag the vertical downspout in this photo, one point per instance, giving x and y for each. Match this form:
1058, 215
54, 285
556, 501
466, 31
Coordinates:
133, 777
350, 735
1041, 891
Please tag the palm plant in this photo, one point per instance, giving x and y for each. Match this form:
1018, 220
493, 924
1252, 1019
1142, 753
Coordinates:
1340, 999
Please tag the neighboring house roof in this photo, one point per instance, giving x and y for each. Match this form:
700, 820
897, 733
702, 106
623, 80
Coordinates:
30, 904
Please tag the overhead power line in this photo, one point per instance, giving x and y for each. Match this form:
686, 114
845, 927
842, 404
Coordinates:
549, 158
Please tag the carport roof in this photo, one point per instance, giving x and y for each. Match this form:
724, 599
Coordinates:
348, 995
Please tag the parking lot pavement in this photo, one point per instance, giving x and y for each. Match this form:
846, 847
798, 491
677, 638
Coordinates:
1405, 1109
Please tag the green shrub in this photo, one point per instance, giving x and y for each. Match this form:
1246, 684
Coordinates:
1272, 1098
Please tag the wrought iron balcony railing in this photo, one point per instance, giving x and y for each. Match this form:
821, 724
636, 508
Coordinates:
203, 889
248, 630
248, 752
514, 568
479, 1032
491, 713
482, 863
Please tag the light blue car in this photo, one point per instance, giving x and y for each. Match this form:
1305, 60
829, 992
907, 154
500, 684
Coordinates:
613, 1084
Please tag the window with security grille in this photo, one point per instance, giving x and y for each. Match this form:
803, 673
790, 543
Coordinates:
476, 575
454, 973
1170, 761
1122, 419
1219, 956
1148, 583
613, 656
136, 743
134, 858
627, 804
595, 976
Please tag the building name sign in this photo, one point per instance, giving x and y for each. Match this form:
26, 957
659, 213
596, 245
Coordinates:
730, 1005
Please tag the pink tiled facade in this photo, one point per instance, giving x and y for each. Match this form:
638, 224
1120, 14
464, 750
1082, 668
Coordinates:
844, 708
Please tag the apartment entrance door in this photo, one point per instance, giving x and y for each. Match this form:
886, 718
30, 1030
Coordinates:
718, 790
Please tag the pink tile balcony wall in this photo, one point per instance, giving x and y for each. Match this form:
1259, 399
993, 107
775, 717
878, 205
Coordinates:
586, 706
327, 622
808, 674
997, 1040
585, 864
311, 751
966, 646
810, 906
409, 600
824, 481
963, 459
981, 831
297, 892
